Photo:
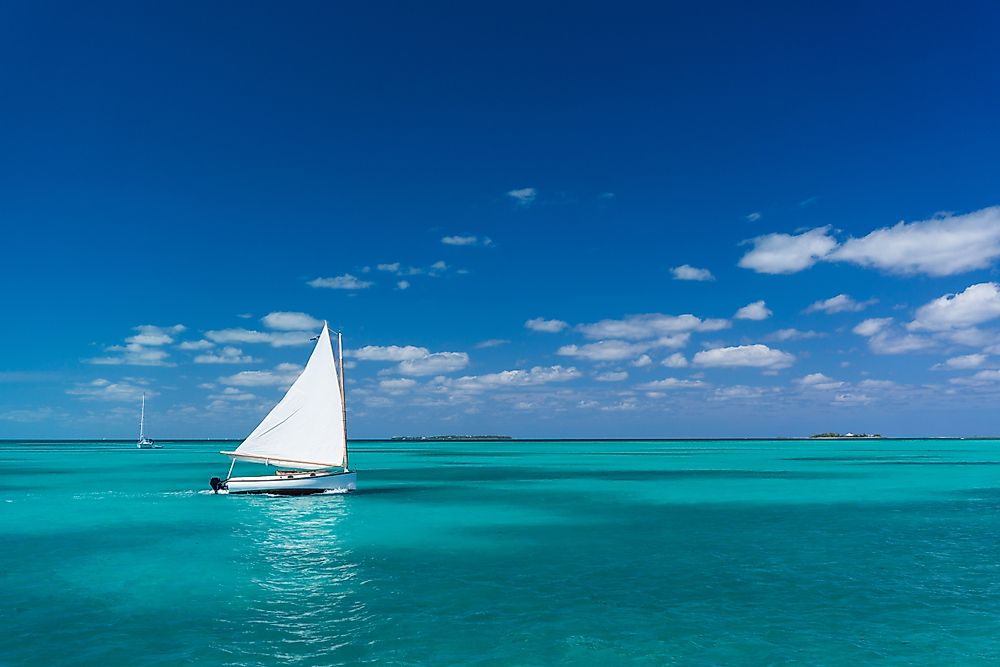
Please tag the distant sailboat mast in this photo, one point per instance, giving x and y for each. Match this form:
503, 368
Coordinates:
142, 418
343, 396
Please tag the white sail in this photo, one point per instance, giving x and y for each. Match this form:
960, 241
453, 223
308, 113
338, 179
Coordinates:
305, 430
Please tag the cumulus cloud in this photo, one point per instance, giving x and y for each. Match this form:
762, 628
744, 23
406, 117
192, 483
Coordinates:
346, 281
754, 217
391, 267
612, 376
141, 349
752, 356
788, 253
388, 353
757, 310
963, 362
819, 381
675, 360
492, 342
942, 246
227, 355
637, 327
291, 321
884, 338
282, 375
470, 240
642, 360
273, 338
403, 284
434, 363
671, 383
233, 394
397, 384
537, 375
196, 345
977, 304
546, 326
842, 303
619, 350
793, 334
523, 196
688, 272
106, 390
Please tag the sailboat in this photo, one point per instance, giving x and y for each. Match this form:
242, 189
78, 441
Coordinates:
304, 435
144, 442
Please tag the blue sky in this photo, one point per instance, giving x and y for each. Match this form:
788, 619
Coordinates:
610, 220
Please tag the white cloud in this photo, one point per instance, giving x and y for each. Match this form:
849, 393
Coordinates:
738, 391
196, 345
793, 334
346, 281
753, 356
688, 272
439, 266
397, 384
388, 353
227, 355
675, 360
941, 246
819, 381
787, 253
466, 240
492, 342
151, 335
392, 267
883, 339
546, 326
757, 310
754, 217
977, 304
233, 394
671, 383
637, 327
291, 321
963, 362
523, 196
842, 303
619, 350
435, 363
612, 376
403, 284
642, 360
538, 375
273, 338
105, 390
142, 349
282, 376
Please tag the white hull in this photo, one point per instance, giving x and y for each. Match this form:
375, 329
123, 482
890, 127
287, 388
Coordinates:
293, 483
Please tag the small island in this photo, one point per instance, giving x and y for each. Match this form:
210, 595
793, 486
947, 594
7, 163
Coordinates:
449, 438
835, 436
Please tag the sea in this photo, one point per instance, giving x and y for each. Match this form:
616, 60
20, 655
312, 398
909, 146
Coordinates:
724, 552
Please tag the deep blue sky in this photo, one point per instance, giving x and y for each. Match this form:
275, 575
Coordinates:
177, 164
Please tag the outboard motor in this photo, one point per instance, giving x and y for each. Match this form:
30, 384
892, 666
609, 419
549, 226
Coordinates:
216, 484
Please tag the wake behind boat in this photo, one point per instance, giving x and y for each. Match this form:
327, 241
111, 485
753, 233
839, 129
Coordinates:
304, 435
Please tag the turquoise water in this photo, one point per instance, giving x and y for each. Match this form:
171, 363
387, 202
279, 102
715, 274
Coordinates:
518, 553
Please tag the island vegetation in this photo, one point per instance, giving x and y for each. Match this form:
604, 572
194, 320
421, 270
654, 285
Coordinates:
832, 435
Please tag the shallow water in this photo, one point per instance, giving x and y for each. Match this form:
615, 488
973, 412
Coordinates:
516, 553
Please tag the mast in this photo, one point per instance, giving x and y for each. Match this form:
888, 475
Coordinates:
142, 417
343, 397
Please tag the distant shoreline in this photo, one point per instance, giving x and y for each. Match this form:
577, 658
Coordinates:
513, 439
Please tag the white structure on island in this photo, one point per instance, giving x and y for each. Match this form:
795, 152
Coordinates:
304, 435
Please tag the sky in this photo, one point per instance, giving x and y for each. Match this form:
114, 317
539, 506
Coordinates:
531, 219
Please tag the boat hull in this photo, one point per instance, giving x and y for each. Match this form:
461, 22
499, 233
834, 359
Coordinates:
294, 483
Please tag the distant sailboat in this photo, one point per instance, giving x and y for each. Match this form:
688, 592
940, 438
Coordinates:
304, 435
144, 442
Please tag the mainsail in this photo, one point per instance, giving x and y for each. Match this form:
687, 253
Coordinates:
305, 430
